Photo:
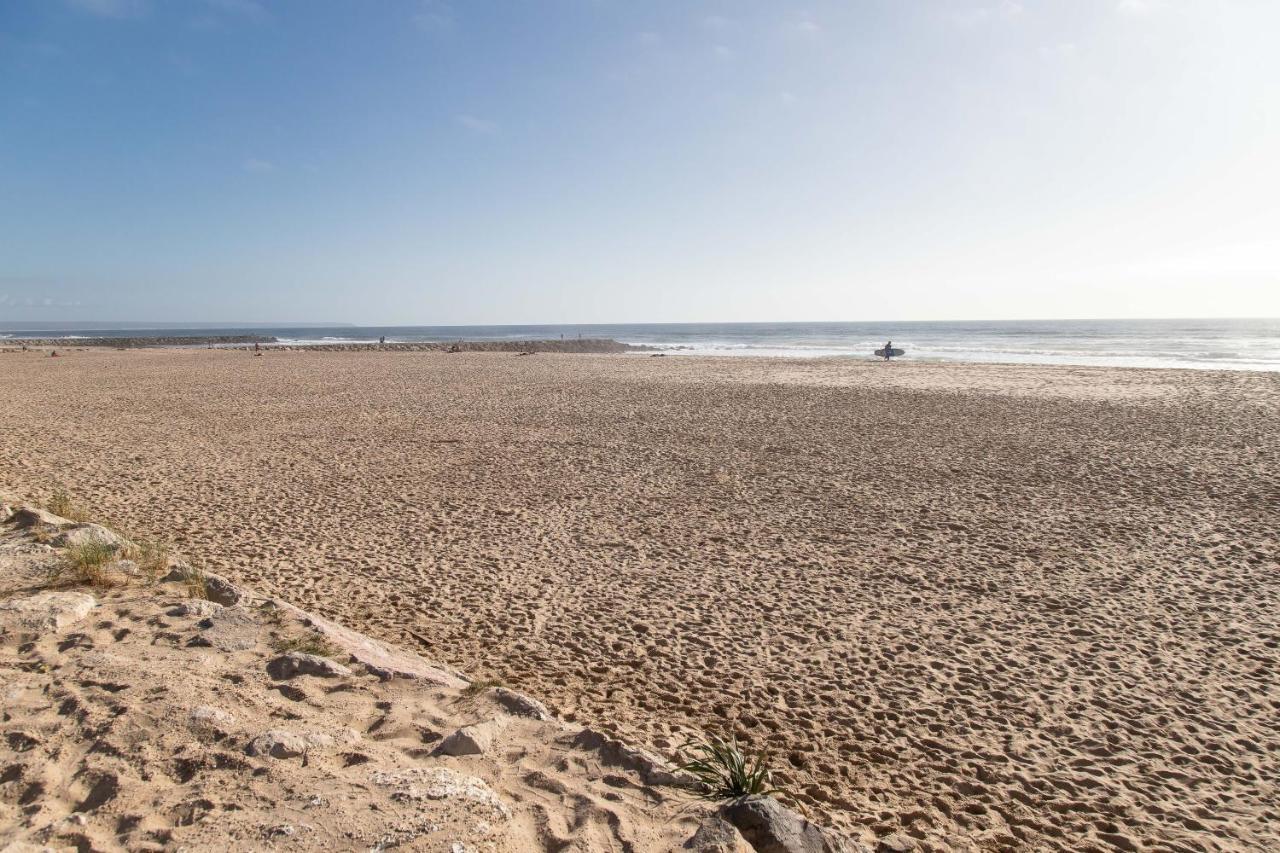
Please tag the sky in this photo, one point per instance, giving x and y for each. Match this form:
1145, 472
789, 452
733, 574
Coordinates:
591, 161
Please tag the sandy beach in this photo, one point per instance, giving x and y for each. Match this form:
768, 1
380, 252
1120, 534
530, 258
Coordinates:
990, 607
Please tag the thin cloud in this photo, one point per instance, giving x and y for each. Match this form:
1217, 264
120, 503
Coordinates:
259, 167
475, 124
804, 26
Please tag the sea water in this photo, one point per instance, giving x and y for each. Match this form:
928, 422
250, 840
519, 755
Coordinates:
1212, 344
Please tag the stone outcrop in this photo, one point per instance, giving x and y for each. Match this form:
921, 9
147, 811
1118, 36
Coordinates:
294, 664
45, 611
771, 827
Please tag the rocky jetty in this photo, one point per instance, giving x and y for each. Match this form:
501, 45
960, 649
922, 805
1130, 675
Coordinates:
138, 342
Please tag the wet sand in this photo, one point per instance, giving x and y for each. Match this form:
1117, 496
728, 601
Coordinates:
993, 607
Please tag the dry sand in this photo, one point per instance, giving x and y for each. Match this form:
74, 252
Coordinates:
995, 607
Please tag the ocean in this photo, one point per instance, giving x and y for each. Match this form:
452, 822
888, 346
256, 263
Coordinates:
1208, 344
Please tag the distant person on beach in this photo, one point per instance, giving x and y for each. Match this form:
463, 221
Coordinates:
382, 340
888, 351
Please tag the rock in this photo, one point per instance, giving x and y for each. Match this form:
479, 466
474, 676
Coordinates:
771, 827
221, 591
378, 658
46, 611
717, 835
468, 740
30, 516
296, 663
88, 534
652, 769
5, 512
231, 629
278, 743
519, 704
201, 607
217, 588
440, 783
214, 720
897, 843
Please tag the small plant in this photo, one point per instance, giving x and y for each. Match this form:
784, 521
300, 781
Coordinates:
309, 644
60, 503
479, 686
86, 563
152, 558
726, 772
196, 583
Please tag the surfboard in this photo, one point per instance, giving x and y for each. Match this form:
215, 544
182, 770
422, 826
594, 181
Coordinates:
893, 352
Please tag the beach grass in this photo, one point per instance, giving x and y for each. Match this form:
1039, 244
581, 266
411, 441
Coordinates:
61, 504
85, 563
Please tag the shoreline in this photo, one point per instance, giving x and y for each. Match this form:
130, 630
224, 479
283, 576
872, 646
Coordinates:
578, 346
876, 574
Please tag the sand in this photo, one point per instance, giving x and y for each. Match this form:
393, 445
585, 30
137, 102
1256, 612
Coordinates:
991, 607
139, 718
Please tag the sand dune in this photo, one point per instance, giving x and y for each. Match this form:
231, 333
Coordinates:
989, 607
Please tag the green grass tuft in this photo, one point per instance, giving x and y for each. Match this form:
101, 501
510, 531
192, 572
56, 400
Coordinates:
85, 563
479, 686
726, 772
60, 504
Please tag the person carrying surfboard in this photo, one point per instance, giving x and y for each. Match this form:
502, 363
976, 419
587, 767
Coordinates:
888, 351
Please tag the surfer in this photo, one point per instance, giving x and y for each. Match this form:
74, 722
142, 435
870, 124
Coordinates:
888, 351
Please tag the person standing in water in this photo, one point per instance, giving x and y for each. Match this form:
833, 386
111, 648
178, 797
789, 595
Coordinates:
888, 351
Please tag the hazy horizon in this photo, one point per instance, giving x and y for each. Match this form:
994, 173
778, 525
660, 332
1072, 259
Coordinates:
422, 162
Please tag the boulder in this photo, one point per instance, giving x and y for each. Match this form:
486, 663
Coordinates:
292, 664
201, 607
468, 740
217, 588
899, 842
30, 516
88, 534
45, 611
378, 658
519, 704
771, 827
212, 720
230, 629
717, 835
279, 743
440, 783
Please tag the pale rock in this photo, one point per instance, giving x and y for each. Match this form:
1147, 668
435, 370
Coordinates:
519, 704
230, 629
279, 743
292, 664
46, 611
468, 740
88, 534
201, 607
896, 843
207, 719
440, 783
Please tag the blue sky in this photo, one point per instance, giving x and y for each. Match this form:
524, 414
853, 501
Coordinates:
608, 161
